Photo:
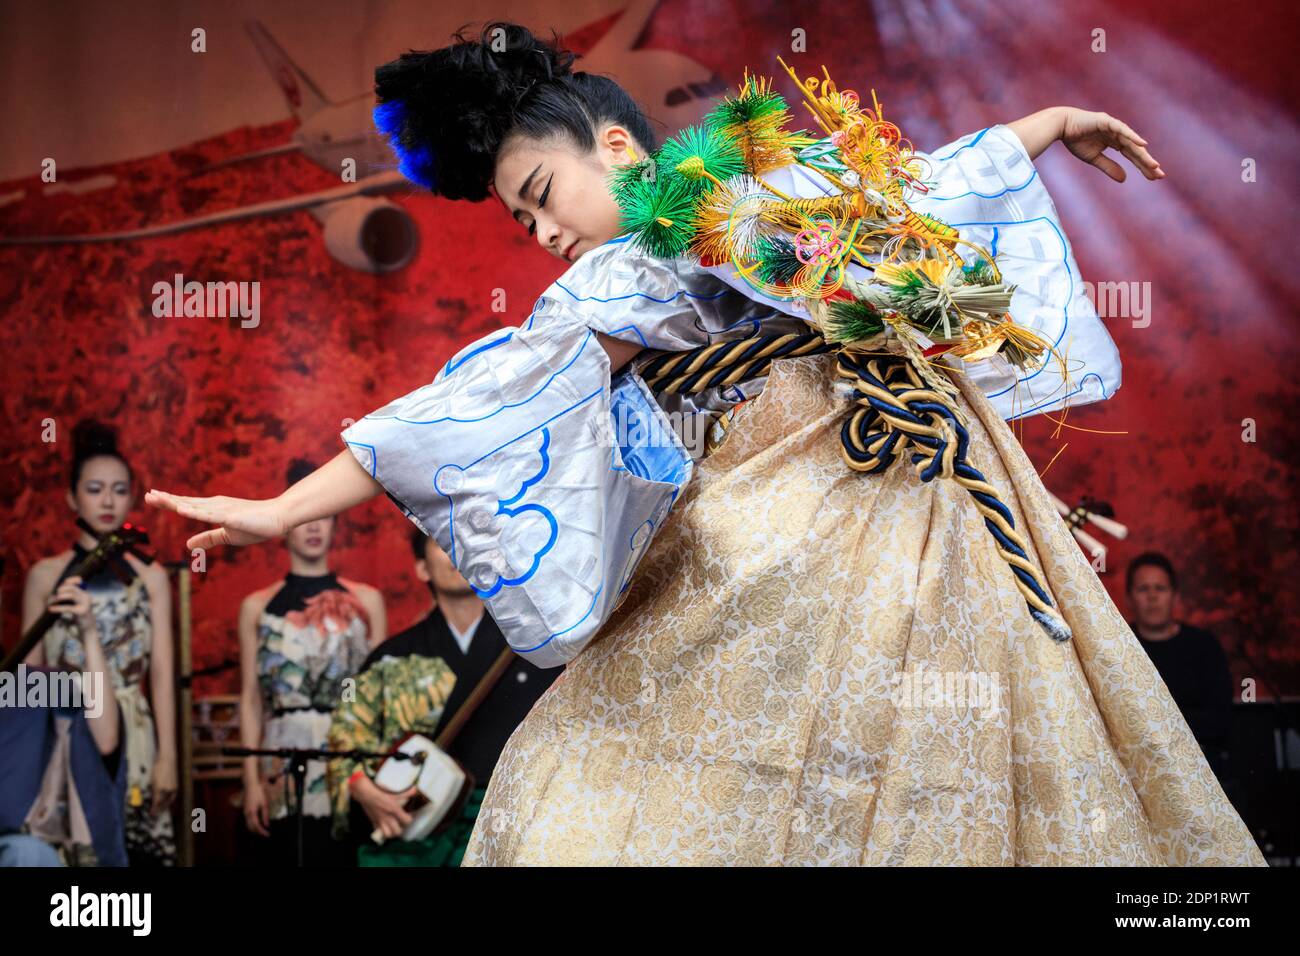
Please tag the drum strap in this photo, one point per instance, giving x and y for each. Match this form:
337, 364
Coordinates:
481, 690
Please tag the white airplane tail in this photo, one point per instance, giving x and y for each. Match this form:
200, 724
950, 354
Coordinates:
300, 90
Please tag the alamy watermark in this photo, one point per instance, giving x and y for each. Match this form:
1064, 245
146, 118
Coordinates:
207, 300
1121, 300
929, 689
39, 687
631, 426
133, 911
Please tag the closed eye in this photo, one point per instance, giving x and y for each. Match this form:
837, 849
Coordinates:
541, 203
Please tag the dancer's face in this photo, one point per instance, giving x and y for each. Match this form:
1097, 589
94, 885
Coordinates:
103, 495
1152, 597
311, 541
561, 195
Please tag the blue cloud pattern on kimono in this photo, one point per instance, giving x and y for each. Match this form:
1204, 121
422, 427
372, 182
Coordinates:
500, 536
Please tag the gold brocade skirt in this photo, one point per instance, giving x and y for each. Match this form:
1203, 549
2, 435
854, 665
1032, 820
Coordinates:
814, 666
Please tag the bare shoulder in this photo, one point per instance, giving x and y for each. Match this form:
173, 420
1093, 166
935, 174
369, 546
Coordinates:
154, 574
47, 570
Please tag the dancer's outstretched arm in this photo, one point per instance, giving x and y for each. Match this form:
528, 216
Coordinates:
329, 490
1087, 134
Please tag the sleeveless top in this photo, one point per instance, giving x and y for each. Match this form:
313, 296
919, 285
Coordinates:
312, 636
121, 607
119, 599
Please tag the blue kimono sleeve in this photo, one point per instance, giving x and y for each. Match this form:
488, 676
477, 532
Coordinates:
510, 461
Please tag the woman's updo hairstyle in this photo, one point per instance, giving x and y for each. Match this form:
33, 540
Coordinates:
90, 439
447, 112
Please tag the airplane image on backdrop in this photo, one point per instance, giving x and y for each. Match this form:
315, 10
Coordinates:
362, 229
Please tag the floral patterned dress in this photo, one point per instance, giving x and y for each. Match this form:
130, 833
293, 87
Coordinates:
313, 636
122, 611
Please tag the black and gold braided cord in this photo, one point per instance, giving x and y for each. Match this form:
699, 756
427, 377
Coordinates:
725, 363
896, 410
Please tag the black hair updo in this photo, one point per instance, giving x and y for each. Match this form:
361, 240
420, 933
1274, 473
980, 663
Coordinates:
91, 439
447, 112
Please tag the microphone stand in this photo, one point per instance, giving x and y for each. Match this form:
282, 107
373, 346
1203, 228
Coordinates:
1282, 725
297, 760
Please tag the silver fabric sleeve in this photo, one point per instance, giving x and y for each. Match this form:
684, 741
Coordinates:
508, 459
541, 477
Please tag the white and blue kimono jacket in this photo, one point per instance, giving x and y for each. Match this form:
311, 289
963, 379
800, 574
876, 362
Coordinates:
511, 459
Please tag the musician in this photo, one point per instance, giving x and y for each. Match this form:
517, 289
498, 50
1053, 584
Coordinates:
417, 682
299, 640
50, 752
1190, 660
131, 609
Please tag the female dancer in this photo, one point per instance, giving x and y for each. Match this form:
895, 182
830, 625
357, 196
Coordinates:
134, 627
754, 692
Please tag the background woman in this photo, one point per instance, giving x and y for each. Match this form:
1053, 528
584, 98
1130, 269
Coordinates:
132, 608
300, 639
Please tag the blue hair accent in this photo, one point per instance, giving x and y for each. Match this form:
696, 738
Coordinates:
415, 164
389, 117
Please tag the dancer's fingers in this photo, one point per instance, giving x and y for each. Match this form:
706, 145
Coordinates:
196, 509
1109, 167
1127, 141
1124, 129
199, 509
214, 537
195, 513
160, 499
1139, 157
179, 504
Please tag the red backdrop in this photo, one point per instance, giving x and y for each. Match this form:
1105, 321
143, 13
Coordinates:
207, 407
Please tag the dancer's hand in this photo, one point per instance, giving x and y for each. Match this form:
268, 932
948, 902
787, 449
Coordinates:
240, 520
1088, 135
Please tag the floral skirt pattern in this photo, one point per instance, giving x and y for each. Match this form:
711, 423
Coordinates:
814, 666
150, 839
